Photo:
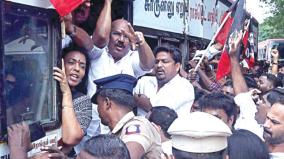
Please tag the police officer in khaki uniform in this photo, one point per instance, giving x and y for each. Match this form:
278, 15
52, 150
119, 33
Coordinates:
115, 103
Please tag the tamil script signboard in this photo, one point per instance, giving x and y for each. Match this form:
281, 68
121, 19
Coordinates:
164, 15
193, 17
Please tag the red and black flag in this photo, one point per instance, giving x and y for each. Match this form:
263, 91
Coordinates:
248, 43
64, 7
233, 23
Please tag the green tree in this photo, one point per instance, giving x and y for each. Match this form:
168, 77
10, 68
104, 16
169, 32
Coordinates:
273, 26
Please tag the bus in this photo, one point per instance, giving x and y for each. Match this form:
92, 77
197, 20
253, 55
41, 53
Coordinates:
265, 47
30, 45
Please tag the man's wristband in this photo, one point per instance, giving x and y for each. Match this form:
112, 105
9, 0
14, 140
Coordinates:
275, 63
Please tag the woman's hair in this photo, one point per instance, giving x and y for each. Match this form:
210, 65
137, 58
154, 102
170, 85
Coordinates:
82, 87
243, 144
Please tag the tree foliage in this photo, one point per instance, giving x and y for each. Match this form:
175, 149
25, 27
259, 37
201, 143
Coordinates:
273, 26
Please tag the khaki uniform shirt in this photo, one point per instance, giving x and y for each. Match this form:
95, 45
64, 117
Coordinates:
140, 130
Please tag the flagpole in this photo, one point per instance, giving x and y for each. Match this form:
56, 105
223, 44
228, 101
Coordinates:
211, 42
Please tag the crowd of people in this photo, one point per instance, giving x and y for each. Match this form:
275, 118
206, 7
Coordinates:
122, 100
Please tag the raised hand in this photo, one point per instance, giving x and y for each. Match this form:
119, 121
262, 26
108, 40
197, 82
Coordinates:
234, 41
192, 63
275, 54
135, 37
68, 21
19, 137
60, 76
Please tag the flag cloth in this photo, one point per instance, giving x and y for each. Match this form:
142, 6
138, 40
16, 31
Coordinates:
224, 65
64, 7
238, 18
250, 45
224, 32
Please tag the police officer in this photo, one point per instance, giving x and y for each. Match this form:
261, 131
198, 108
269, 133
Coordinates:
199, 135
115, 103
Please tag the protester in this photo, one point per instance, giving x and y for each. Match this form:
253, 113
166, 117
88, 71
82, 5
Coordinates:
205, 74
189, 56
104, 146
163, 117
267, 82
167, 88
275, 58
76, 106
117, 49
228, 89
243, 144
82, 12
221, 106
186, 123
198, 96
101, 146
267, 100
120, 39
19, 140
257, 70
243, 98
274, 130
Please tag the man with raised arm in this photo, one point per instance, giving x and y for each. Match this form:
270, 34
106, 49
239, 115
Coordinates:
117, 49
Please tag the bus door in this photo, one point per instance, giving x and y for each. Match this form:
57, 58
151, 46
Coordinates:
30, 46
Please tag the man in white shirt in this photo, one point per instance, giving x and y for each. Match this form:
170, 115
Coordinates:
248, 111
114, 48
274, 130
167, 88
112, 54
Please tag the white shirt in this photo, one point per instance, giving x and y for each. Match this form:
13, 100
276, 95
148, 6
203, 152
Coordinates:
277, 155
177, 94
66, 41
246, 118
167, 147
102, 65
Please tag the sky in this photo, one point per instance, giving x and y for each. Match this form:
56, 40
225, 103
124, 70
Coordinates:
258, 9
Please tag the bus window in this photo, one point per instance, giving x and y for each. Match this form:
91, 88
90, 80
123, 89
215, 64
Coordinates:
279, 45
265, 47
28, 60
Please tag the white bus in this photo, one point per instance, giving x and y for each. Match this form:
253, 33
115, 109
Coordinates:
265, 47
30, 46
